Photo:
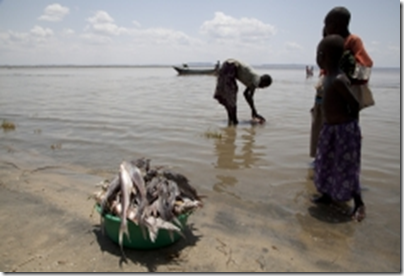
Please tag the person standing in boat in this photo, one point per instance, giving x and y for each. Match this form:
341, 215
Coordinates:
226, 88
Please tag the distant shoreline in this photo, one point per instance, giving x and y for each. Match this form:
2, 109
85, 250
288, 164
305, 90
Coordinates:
261, 66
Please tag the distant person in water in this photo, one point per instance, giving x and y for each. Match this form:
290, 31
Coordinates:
337, 164
309, 71
226, 88
217, 66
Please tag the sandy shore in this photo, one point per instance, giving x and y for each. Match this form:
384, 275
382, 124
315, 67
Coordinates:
48, 225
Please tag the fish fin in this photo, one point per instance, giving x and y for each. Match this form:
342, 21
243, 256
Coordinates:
177, 222
153, 229
171, 227
168, 226
152, 235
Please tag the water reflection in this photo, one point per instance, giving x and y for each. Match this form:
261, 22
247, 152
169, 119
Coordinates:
229, 159
225, 149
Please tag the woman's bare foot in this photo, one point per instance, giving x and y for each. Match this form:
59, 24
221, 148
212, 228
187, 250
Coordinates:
359, 213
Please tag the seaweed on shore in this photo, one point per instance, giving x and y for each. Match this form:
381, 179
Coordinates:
209, 134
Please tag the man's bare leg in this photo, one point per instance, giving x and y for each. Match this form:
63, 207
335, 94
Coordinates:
232, 115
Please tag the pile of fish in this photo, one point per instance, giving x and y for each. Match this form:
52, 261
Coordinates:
152, 198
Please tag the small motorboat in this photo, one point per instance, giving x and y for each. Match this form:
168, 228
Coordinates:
185, 70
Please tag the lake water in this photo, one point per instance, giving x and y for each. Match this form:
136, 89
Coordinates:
94, 118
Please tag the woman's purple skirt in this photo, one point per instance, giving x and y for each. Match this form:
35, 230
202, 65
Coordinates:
337, 164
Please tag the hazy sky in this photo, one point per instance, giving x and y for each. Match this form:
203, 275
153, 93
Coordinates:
176, 31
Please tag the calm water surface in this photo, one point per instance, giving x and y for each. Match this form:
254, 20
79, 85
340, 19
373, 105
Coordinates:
97, 117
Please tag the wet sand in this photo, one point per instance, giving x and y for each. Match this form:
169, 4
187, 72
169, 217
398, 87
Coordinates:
45, 206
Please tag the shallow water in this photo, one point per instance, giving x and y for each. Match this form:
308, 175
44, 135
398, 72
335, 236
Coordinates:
94, 118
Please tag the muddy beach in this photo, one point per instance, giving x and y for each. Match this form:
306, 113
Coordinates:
49, 225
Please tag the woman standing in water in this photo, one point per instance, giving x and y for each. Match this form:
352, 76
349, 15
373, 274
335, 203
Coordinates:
337, 164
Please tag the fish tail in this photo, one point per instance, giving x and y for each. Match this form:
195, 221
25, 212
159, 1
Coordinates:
123, 230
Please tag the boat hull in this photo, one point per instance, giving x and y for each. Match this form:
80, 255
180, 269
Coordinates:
187, 71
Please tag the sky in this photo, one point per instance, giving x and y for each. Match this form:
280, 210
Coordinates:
169, 32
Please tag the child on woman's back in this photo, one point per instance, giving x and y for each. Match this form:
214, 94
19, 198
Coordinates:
337, 164
356, 63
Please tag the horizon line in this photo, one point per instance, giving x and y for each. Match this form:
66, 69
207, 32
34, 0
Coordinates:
196, 64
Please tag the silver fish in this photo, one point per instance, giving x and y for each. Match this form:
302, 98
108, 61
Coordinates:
172, 190
186, 205
156, 223
113, 188
142, 164
132, 214
116, 207
152, 189
183, 184
173, 194
164, 204
167, 194
141, 193
126, 189
99, 196
150, 210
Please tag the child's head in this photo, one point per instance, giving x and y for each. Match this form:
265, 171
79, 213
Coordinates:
265, 81
337, 21
329, 52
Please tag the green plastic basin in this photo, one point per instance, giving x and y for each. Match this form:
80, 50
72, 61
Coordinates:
137, 241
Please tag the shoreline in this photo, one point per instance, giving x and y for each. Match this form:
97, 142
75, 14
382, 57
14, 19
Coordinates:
55, 229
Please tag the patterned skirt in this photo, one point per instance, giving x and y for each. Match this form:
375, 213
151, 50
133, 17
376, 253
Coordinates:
337, 164
226, 86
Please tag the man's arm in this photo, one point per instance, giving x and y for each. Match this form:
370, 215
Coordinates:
249, 96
